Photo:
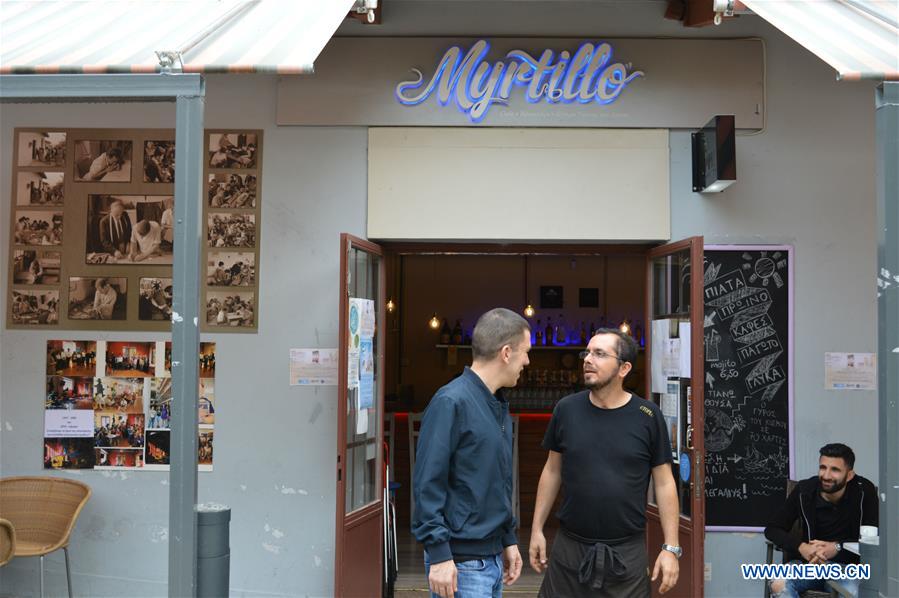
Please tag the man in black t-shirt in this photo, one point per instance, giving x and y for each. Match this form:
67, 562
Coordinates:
830, 507
604, 444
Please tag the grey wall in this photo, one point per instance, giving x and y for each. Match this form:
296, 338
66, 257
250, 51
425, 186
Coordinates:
274, 454
806, 180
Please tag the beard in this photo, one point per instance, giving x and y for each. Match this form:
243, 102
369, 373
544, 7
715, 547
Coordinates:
836, 487
598, 383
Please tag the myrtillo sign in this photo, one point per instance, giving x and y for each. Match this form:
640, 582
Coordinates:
589, 76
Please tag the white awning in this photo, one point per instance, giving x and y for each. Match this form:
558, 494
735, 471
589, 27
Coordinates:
859, 38
124, 36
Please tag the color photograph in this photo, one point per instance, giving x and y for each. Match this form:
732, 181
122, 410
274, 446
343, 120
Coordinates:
34, 267
206, 401
64, 392
204, 450
38, 228
40, 189
97, 298
160, 411
68, 453
130, 359
118, 458
124, 395
232, 150
42, 148
72, 358
158, 442
231, 309
107, 161
118, 430
34, 308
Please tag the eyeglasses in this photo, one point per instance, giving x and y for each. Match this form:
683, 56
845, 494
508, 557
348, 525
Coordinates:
597, 354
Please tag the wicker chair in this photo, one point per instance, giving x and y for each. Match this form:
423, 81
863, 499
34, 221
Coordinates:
43, 511
7, 541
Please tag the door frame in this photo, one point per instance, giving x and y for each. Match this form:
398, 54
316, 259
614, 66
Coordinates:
347, 521
695, 525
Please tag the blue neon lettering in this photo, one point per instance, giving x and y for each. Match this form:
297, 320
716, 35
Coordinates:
589, 75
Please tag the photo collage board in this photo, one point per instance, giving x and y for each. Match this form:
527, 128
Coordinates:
108, 405
92, 237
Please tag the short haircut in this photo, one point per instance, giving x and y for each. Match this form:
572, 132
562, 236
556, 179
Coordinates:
837, 450
625, 346
116, 202
494, 330
115, 153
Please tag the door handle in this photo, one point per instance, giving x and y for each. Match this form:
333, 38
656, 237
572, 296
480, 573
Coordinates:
689, 441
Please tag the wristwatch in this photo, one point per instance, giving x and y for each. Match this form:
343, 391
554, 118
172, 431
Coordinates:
675, 550
839, 546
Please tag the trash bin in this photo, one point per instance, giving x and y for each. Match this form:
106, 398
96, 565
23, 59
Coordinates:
213, 550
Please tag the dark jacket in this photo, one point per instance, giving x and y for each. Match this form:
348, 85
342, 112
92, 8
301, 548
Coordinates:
462, 482
860, 498
110, 239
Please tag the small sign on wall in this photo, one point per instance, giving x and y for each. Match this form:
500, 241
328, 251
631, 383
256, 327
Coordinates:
850, 371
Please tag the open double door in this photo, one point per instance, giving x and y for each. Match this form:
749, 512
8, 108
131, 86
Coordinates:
674, 310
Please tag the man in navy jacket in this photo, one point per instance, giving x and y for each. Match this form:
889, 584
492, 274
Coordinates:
462, 482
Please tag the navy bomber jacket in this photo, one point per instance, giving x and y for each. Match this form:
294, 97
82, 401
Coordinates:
462, 482
857, 507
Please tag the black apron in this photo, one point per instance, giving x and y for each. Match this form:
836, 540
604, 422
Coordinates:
586, 568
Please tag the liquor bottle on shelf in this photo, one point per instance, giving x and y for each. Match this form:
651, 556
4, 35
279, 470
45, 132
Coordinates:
548, 332
457, 333
592, 331
538, 336
583, 339
638, 334
445, 334
561, 332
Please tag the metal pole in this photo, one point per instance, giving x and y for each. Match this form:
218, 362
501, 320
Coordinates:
887, 174
185, 345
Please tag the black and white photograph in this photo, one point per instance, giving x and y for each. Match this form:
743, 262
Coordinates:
38, 228
107, 161
42, 148
35, 267
231, 229
232, 150
232, 191
159, 161
34, 308
155, 301
231, 269
130, 229
40, 188
97, 298
230, 308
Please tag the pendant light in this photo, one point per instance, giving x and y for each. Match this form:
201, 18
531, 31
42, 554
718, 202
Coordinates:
529, 311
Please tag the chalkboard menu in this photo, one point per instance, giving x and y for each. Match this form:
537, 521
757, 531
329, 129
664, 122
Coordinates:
747, 386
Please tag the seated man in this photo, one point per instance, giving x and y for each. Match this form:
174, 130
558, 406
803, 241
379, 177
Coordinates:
830, 508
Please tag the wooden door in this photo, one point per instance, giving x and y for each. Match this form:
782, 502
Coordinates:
358, 563
675, 311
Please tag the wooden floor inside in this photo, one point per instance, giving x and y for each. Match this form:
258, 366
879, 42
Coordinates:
412, 583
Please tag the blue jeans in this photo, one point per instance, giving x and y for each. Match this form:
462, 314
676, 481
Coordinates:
795, 587
479, 578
